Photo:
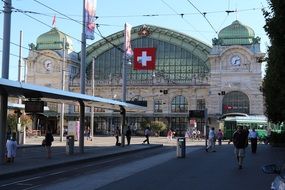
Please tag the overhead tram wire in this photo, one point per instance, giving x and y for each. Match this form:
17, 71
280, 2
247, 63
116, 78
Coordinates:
204, 15
117, 47
14, 55
40, 53
78, 23
108, 41
57, 11
71, 36
81, 24
176, 13
182, 16
61, 15
26, 13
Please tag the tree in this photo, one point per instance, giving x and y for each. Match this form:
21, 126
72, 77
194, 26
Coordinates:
12, 121
274, 80
157, 126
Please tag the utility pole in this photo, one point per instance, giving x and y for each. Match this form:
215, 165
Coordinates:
5, 75
82, 81
124, 90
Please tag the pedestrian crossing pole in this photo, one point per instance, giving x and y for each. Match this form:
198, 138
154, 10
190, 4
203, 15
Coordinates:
206, 127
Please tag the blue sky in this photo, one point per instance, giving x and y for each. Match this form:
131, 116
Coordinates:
34, 17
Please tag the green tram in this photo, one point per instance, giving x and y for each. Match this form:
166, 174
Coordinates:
260, 123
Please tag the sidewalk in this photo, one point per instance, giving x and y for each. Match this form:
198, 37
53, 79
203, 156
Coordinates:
32, 157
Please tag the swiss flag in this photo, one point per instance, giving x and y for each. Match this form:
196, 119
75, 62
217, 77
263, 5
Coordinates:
144, 58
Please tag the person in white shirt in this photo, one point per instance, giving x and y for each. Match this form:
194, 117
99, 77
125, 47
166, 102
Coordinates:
253, 136
211, 141
146, 133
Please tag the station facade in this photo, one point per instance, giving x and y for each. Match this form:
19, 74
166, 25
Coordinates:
224, 77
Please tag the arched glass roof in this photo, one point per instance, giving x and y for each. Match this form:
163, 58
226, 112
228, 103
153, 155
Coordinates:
179, 58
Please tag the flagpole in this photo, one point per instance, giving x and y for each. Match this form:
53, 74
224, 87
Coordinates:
124, 77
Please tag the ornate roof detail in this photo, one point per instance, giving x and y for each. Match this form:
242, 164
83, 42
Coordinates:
144, 31
53, 40
236, 34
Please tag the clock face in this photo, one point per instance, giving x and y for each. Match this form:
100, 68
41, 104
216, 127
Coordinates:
235, 60
48, 64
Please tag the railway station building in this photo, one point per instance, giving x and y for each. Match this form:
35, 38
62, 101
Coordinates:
224, 77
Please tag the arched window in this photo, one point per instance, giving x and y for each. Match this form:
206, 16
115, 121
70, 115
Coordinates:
235, 102
173, 64
179, 104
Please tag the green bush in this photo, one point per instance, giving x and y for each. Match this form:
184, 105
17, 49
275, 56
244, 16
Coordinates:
157, 127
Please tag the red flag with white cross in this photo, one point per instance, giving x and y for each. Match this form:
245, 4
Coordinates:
144, 58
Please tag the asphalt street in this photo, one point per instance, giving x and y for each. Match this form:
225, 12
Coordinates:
199, 170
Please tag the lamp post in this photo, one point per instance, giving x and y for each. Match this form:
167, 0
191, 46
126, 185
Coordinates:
124, 92
124, 78
21, 134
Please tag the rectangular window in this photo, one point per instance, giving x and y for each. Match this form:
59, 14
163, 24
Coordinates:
158, 106
201, 105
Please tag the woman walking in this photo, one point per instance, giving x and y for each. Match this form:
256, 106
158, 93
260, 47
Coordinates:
48, 142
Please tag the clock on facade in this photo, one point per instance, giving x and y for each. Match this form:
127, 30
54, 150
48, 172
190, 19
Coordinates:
235, 60
48, 64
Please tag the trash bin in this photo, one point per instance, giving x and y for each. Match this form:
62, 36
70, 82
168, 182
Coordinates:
69, 144
181, 147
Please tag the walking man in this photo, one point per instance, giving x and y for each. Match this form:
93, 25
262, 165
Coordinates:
128, 135
117, 134
240, 143
212, 140
146, 134
253, 140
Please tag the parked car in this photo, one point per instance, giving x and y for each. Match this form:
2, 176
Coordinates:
279, 181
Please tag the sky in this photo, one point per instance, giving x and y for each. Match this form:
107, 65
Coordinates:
200, 19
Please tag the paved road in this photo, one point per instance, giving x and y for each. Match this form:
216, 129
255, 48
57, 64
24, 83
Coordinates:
206, 171
199, 170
